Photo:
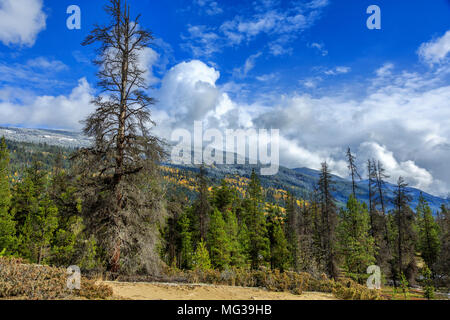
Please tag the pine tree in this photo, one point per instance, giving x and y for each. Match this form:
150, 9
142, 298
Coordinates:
328, 222
378, 217
356, 246
351, 159
201, 207
404, 234
218, 241
291, 231
118, 175
223, 197
259, 244
428, 244
186, 249
201, 259
279, 252
442, 268
309, 237
7, 225
38, 232
171, 234
236, 249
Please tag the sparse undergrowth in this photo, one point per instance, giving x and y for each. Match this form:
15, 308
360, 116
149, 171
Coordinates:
278, 281
35, 282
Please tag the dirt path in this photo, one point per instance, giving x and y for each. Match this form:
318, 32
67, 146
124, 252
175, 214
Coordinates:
171, 291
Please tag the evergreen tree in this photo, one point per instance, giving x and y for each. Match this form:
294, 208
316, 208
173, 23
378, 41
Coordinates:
259, 244
442, 268
351, 159
223, 197
404, 234
279, 252
7, 225
218, 241
186, 249
172, 236
356, 245
201, 259
328, 222
38, 232
291, 231
428, 235
236, 248
309, 236
201, 207
378, 216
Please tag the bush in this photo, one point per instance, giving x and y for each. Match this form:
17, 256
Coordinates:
346, 289
25, 281
275, 280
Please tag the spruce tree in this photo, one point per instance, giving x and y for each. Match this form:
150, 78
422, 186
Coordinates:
404, 234
218, 241
38, 232
236, 247
279, 252
201, 260
356, 246
186, 248
428, 244
201, 207
291, 231
442, 268
351, 159
259, 244
328, 222
7, 225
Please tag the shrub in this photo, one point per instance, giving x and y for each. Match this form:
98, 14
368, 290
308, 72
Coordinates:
36, 282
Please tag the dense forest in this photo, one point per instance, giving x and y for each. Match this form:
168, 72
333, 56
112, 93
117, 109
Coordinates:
108, 207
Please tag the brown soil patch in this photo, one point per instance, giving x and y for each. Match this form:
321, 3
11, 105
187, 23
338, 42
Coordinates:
173, 291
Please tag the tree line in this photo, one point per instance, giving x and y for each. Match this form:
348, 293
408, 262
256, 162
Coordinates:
43, 219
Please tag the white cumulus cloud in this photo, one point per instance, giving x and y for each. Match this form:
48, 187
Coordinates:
21, 21
437, 50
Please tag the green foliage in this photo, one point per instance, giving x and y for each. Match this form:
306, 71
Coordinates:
259, 244
404, 285
428, 288
201, 259
219, 241
236, 240
428, 240
292, 232
186, 249
7, 225
279, 252
38, 231
356, 246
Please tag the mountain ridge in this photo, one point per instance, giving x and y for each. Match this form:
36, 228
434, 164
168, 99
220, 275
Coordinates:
301, 181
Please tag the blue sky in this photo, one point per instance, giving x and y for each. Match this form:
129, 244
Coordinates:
310, 68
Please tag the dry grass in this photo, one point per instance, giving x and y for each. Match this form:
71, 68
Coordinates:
35, 282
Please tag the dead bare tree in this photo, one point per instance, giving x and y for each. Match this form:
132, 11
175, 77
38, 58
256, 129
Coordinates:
119, 173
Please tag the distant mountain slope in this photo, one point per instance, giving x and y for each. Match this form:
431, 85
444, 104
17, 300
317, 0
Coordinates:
51, 137
300, 181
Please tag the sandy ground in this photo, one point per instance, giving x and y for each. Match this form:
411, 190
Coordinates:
171, 291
